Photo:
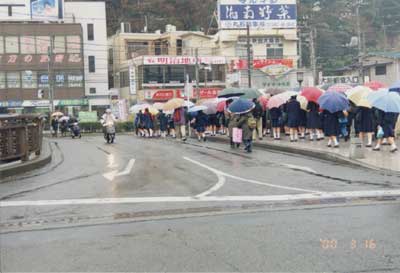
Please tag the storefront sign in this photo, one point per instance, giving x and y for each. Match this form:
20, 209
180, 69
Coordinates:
58, 60
171, 60
120, 109
260, 64
132, 80
11, 103
205, 93
238, 14
87, 116
76, 102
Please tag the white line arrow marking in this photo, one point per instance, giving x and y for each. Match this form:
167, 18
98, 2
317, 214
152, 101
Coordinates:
112, 175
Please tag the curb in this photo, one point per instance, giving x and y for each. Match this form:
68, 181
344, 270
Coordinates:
314, 154
42, 160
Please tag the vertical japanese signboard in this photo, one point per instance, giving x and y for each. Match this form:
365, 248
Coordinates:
132, 79
258, 14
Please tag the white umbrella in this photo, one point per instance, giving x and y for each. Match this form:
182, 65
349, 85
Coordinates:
197, 108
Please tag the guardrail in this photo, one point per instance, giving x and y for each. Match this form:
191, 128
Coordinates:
20, 136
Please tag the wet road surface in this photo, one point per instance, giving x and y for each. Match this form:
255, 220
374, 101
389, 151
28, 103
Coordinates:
162, 205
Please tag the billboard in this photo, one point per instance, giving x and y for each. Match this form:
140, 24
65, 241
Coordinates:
46, 9
257, 14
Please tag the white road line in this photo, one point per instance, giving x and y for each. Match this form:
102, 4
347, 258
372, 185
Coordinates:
249, 180
180, 199
113, 174
300, 168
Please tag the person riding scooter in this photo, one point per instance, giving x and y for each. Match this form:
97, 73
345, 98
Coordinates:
108, 121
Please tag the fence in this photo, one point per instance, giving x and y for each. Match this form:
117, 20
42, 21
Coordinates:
20, 135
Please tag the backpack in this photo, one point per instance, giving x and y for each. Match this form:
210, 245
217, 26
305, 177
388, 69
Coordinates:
177, 116
252, 123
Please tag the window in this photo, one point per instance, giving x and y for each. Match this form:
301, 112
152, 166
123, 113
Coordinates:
2, 80
9, 11
13, 80
29, 79
73, 44
43, 80
59, 44
92, 64
241, 51
175, 74
179, 47
274, 53
42, 44
60, 80
110, 56
380, 70
28, 45
1, 45
75, 79
90, 32
124, 79
92, 90
135, 49
12, 44
153, 74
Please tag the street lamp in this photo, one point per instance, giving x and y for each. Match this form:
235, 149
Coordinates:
300, 77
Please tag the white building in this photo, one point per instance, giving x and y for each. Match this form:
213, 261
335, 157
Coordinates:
92, 16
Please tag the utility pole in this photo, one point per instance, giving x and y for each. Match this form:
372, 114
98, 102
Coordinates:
197, 74
249, 62
313, 55
50, 74
360, 46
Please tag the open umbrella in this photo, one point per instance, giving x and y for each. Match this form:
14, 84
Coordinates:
312, 93
241, 106
340, 87
385, 101
395, 87
173, 104
303, 102
334, 101
250, 93
57, 114
276, 102
212, 105
139, 107
66, 118
375, 85
358, 95
274, 91
264, 100
287, 95
231, 92
197, 108
158, 105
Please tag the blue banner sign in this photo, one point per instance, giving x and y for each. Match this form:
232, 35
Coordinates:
237, 14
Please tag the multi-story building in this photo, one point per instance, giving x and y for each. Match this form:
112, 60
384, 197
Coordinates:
59, 39
155, 66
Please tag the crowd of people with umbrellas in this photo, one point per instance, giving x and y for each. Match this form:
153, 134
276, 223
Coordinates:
245, 115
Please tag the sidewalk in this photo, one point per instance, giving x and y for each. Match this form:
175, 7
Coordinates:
382, 160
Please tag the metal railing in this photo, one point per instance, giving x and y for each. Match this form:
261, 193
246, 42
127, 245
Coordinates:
20, 136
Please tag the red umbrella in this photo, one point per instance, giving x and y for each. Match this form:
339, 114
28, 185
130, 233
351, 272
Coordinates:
340, 87
375, 85
312, 93
264, 101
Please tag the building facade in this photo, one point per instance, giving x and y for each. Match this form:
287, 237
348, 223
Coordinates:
62, 40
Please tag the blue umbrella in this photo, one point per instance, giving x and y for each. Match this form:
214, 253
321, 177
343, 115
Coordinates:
333, 101
395, 87
385, 100
241, 106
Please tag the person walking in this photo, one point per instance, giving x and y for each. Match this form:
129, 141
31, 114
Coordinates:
331, 127
293, 111
163, 121
245, 123
148, 123
365, 116
276, 122
302, 123
54, 125
171, 126
200, 123
180, 122
233, 123
387, 122
257, 115
314, 121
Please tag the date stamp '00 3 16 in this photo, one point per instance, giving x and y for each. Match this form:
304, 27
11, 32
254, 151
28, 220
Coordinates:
327, 244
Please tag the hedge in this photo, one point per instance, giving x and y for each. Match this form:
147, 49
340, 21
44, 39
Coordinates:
96, 127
